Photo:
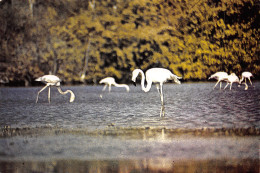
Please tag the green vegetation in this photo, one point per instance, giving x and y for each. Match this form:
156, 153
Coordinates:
84, 41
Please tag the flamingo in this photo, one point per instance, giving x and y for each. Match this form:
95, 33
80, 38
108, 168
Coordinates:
231, 79
108, 81
52, 80
158, 76
246, 75
220, 76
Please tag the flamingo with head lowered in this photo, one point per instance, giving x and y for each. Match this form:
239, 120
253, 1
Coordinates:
52, 80
246, 75
158, 76
108, 81
232, 78
220, 76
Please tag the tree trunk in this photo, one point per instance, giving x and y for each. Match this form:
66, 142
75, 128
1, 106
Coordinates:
55, 64
85, 68
31, 2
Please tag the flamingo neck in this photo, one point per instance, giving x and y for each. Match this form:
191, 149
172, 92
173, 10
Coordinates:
72, 96
148, 86
122, 85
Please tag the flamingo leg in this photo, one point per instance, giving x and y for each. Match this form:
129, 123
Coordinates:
226, 85
162, 102
216, 85
241, 79
109, 87
158, 88
246, 86
250, 81
40, 92
104, 88
49, 95
230, 86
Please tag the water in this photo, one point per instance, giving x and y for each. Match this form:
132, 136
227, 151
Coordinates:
191, 105
123, 132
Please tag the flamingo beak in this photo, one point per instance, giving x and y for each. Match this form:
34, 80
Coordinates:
134, 83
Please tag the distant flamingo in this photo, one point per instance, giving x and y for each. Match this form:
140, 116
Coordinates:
246, 75
231, 79
108, 81
51, 80
158, 76
220, 76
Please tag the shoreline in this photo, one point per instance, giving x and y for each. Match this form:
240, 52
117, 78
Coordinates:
135, 132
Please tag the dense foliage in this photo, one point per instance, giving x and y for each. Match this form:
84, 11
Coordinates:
84, 41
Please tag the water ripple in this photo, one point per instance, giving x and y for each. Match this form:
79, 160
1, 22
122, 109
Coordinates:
189, 105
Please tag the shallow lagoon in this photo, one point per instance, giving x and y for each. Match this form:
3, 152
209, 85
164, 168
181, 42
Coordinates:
122, 132
191, 105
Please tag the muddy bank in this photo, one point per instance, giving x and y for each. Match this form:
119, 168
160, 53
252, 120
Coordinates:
129, 132
127, 166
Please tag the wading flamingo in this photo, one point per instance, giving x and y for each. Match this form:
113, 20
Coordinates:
232, 78
246, 75
220, 76
51, 80
108, 81
158, 76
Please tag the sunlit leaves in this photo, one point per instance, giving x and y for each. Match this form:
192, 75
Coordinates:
86, 42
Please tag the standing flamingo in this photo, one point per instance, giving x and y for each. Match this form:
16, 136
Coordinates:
158, 76
231, 79
220, 76
51, 80
246, 75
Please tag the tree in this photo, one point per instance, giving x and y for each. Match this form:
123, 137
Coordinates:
84, 41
